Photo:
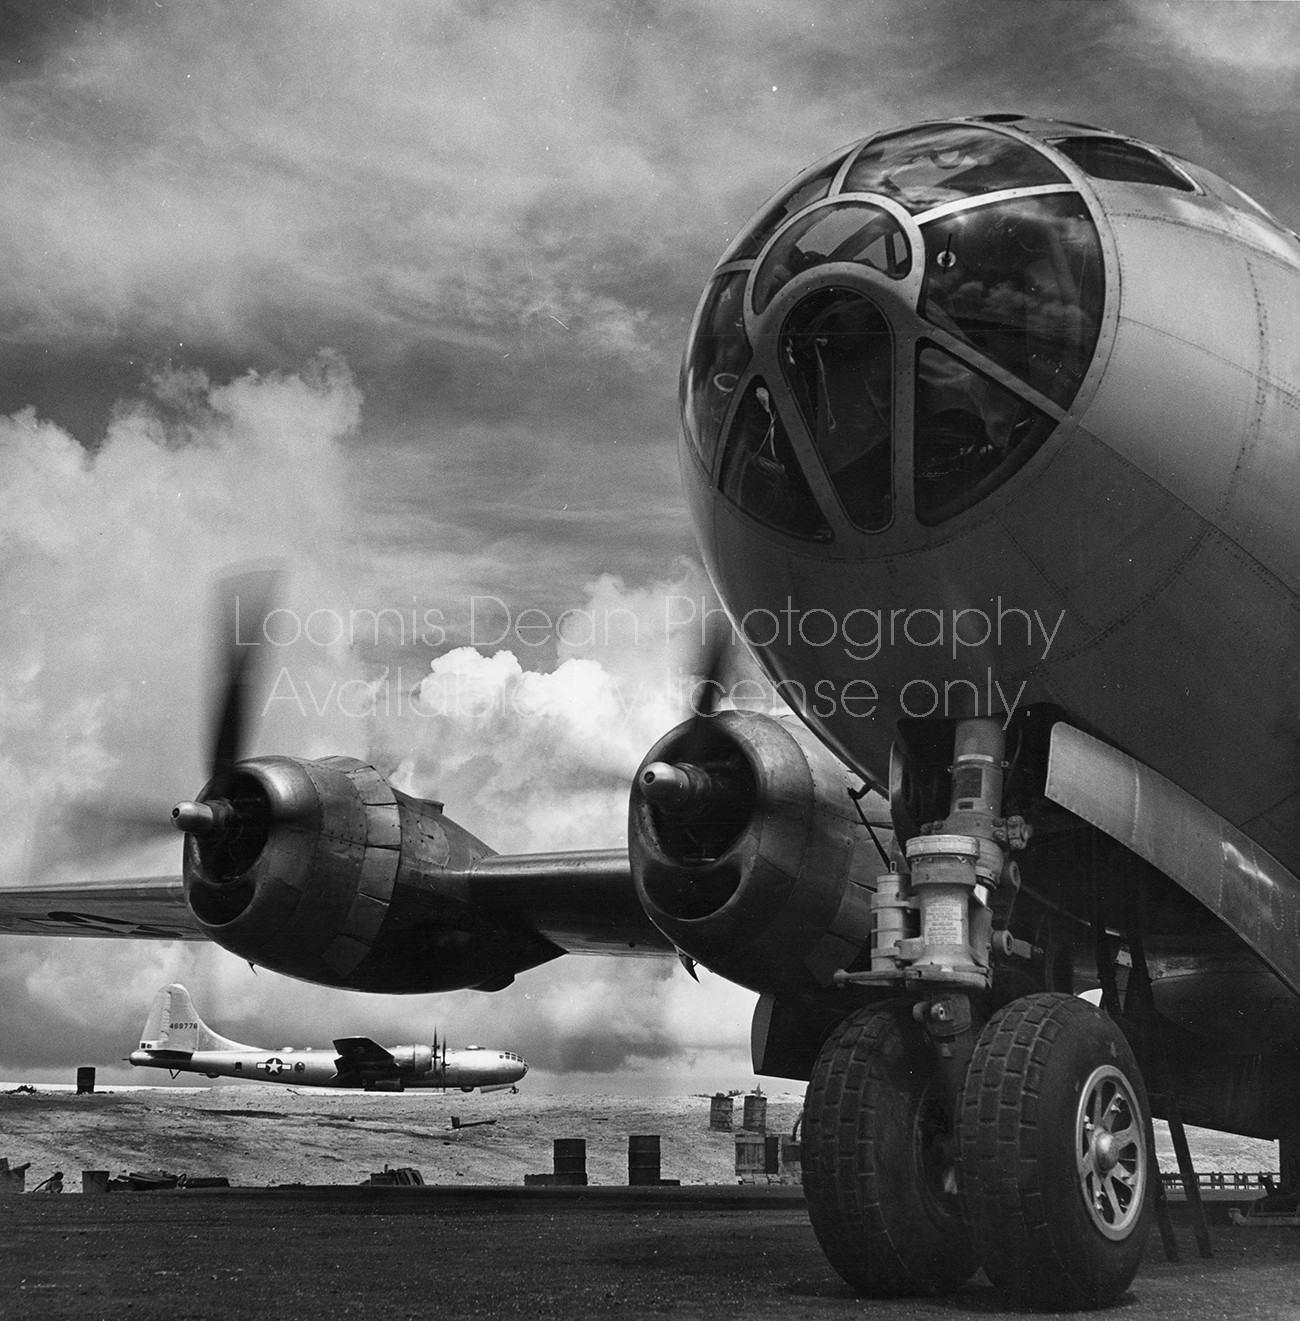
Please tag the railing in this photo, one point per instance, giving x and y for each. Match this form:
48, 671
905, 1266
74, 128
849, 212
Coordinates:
1223, 1179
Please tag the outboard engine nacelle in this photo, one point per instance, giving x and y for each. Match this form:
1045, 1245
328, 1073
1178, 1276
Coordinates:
321, 870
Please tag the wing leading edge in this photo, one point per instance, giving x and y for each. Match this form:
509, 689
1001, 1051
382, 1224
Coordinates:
138, 908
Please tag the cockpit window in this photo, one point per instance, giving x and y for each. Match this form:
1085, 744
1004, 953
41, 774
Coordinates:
841, 231
837, 354
809, 187
718, 354
970, 435
1022, 282
1230, 194
761, 474
924, 168
1125, 162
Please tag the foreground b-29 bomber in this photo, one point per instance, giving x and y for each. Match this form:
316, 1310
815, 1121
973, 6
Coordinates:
990, 443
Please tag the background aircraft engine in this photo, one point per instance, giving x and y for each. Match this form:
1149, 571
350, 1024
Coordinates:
413, 1061
321, 870
748, 853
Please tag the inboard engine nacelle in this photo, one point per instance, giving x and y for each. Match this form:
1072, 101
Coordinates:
748, 852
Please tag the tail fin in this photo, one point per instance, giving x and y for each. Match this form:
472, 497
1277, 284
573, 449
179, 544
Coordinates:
174, 1025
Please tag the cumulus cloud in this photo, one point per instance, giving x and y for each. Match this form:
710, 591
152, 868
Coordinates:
108, 556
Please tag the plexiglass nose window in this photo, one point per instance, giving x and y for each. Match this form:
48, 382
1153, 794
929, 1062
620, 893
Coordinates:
761, 474
837, 354
719, 353
925, 168
845, 231
1021, 281
970, 435
804, 191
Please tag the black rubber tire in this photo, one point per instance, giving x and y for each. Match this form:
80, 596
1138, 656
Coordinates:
1030, 1221
877, 1140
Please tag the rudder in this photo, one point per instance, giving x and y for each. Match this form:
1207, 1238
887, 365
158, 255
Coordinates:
172, 1024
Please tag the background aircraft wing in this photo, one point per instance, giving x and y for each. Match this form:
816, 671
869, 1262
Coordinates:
360, 1054
140, 908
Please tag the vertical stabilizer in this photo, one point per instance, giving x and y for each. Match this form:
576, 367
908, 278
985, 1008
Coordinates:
172, 1023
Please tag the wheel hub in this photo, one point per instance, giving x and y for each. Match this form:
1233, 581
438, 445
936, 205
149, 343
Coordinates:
1111, 1148
1105, 1152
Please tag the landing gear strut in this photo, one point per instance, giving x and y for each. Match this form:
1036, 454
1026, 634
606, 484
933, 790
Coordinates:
1044, 1108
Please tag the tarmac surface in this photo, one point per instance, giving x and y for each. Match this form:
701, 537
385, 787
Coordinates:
492, 1252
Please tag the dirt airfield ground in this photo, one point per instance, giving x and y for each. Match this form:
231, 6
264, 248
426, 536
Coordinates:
257, 1135
698, 1252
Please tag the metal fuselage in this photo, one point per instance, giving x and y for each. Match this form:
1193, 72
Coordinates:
1141, 571
465, 1068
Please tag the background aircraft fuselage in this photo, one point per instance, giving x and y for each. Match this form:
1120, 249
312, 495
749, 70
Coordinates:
464, 1069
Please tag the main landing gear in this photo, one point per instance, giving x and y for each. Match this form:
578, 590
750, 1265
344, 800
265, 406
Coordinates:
932, 1146
1041, 1177
1056, 1154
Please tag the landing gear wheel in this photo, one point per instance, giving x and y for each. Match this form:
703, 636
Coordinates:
879, 1170
1056, 1158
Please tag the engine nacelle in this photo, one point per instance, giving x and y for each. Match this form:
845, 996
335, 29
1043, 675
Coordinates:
333, 876
770, 884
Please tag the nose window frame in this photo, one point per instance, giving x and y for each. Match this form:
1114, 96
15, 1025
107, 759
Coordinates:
880, 243
900, 296
844, 389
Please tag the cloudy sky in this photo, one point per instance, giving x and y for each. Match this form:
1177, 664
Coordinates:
396, 290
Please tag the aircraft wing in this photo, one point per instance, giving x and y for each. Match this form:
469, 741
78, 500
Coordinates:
361, 1055
584, 902
141, 908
